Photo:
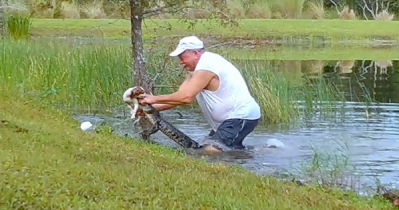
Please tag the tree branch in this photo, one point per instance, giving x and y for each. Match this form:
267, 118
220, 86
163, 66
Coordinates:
367, 7
364, 11
376, 7
335, 4
170, 8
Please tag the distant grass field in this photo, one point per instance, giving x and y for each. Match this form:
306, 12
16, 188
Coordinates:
310, 53
255, 39
330, 30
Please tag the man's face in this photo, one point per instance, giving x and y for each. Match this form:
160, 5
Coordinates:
189, 59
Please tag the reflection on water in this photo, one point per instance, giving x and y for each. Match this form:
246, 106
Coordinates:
361, 80
370, 130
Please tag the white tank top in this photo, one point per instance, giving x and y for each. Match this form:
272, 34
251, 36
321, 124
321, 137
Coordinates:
232, 99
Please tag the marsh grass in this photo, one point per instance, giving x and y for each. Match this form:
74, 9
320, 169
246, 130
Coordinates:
67, 75
385, 16
76, 75
320, 98
259, 9
331, 168
18, 26
290, 9
86, 76
347, 13
286, 95
271, 90
316, 10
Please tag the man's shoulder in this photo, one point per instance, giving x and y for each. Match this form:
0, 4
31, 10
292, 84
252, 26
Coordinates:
211, 54
213, 57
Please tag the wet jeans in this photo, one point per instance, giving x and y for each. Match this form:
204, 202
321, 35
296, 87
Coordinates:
232, 132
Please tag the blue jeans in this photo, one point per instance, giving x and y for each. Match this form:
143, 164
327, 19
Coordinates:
232, 132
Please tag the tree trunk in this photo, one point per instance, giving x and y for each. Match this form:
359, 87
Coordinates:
139, 68
2, 19
352, 4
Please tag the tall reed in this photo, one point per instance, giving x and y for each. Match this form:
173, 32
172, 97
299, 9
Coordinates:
18, 26
320, 98
290, 9
285, 98
75, 75
271, 90
330, 167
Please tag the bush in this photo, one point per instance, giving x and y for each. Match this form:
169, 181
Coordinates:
18, 26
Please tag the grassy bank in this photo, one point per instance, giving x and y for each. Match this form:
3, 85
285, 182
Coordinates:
256, 29
47, 162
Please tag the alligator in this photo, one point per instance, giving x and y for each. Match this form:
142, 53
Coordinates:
155, 120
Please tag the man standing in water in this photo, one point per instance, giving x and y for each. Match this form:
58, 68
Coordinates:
220, 90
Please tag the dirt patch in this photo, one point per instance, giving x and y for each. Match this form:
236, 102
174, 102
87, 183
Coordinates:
15, 128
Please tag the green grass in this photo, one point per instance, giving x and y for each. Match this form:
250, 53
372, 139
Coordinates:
18, 26
65, 74
332, 30
48, 163
310, 53
273, 91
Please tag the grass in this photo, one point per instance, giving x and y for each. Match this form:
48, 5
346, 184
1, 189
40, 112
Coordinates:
284, 92
309, 53
331, 30
68, 75
18, 26
273, 91
47, 162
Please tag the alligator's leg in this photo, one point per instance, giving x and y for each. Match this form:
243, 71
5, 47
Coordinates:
146, 134
188, 143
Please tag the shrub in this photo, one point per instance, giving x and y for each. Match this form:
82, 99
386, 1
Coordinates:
18, 26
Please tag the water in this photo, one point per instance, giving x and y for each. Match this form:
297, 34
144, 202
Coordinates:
363, 132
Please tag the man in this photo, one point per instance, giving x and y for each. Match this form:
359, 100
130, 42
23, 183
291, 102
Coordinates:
220, 90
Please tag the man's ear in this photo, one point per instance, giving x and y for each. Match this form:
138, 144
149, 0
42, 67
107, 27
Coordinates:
197, 54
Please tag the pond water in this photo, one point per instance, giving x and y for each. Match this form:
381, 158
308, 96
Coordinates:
364, 133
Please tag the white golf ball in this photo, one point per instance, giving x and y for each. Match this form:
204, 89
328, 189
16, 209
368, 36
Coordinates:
86, 126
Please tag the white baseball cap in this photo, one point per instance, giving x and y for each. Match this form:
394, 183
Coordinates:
187, 43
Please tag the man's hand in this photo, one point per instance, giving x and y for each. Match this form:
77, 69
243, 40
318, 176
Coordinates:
146, 99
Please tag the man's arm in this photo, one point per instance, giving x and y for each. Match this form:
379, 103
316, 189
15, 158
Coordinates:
162, 107
186, 93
